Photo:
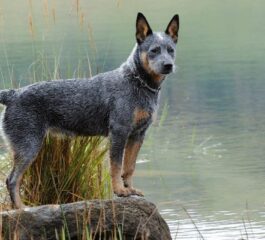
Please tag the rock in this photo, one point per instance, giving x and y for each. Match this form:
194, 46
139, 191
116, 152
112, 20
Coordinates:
123, 218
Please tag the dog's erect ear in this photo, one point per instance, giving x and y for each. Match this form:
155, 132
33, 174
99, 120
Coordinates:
173, 28
142, 28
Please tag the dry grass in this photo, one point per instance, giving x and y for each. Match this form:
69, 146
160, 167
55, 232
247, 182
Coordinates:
67, 169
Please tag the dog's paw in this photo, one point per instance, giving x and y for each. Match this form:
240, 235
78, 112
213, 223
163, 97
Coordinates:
122, 192
133, 191
126, 192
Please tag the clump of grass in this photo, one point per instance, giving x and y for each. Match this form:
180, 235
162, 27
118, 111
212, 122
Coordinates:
67, 169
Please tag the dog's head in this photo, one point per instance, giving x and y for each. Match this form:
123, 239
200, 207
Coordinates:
157, 50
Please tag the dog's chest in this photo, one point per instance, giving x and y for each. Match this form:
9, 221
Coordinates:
142, 118
141, 115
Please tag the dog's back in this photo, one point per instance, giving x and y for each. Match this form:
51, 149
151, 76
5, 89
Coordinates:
80, 106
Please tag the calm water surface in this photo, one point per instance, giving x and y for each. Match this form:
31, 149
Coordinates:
203, 160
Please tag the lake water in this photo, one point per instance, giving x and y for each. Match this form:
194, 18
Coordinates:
203, 160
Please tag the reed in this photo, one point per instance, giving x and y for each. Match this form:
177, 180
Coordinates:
67, 169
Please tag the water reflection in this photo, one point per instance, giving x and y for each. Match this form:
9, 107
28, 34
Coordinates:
208, 227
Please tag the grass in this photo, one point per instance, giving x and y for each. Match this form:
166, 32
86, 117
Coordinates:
67, 169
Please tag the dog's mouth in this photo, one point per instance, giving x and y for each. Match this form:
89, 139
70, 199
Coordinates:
165, 72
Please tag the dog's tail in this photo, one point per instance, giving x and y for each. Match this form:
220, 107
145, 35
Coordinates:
6, 96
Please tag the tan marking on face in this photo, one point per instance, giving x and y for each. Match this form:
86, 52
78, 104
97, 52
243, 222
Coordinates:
131, 152
139, 115
155, 76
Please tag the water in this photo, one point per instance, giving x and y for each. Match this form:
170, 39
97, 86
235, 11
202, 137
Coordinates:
203, 163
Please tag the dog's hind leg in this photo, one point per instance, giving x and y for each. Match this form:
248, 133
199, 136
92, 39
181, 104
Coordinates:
25, 153
25, 139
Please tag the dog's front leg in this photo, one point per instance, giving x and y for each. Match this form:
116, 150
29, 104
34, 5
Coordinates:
118, 138
132, 148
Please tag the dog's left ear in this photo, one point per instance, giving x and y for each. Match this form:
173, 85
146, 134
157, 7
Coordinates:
142, 28
173, 28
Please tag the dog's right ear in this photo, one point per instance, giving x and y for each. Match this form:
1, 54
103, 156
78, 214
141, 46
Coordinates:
142, 28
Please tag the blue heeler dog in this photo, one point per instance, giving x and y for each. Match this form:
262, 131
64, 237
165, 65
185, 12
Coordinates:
118, 104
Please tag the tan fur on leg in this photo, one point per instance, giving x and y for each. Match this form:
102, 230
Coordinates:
117, 183
131, 151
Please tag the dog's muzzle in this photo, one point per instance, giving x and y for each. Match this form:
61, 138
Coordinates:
167, 68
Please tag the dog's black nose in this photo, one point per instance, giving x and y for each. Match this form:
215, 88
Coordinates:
168, 67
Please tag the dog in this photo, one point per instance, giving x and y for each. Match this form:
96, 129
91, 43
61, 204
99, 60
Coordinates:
118, 104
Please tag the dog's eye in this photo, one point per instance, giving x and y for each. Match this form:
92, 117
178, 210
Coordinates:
170, 50
156, 50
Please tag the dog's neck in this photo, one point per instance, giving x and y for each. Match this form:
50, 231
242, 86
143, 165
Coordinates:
135, 67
